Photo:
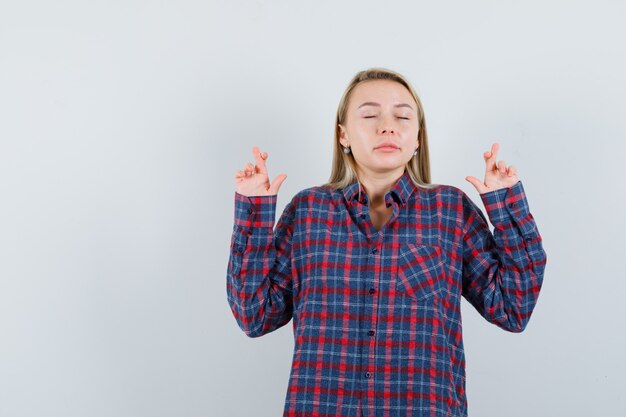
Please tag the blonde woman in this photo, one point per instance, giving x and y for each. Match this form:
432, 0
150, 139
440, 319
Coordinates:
372, 265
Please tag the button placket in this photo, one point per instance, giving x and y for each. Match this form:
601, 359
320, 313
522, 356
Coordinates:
374, 250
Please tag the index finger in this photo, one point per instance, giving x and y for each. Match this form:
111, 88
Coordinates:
260, 160
490, 160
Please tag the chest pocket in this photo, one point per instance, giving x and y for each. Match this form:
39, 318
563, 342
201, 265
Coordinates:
421, 271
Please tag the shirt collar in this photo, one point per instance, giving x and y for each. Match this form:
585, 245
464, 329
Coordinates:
400, 192
351, 192
403, 188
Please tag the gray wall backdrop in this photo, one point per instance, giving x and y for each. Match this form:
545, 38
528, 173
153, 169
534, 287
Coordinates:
122, 124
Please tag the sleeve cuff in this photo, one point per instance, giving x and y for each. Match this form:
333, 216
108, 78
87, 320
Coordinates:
255, 211
510, 203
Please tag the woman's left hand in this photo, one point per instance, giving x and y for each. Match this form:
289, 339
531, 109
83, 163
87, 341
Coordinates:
497, 175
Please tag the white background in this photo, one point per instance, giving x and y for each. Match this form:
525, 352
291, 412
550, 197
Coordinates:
122, 124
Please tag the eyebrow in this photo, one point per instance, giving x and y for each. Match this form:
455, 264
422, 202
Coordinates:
371, 103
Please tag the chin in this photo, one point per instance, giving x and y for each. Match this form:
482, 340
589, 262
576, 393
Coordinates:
394, 163
383, 163
387, 167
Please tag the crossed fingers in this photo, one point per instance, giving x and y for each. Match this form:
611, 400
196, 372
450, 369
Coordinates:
492, 164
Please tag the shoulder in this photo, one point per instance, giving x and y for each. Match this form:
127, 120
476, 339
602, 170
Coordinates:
307, 201
319, 198
441, 192
321, 194
449, 199
454, 203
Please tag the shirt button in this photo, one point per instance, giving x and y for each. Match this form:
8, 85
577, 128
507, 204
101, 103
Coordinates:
512, 205
368, 374
371, 332
374, 251
372, 290
249, 210
362, 215
240, 249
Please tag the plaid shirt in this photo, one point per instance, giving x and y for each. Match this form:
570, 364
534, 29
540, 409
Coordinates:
377, 314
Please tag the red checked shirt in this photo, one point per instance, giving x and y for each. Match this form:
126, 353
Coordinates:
377, 314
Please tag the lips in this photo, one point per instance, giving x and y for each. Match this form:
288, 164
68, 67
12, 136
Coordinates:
387, 145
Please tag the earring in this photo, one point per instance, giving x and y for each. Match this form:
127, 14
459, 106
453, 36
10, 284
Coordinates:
346, 150
415, 153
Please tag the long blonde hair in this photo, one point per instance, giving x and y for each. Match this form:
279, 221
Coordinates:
344, 166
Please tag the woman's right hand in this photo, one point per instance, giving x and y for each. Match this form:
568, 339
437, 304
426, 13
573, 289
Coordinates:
253, 179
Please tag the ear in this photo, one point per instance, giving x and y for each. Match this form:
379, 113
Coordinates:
343, 135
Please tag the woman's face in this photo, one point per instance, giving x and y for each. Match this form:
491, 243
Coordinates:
380, 112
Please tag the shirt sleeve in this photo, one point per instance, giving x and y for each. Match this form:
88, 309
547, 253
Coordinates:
503, 271
259, 284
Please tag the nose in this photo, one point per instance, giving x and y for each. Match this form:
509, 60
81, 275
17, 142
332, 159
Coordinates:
386, 131
386, 127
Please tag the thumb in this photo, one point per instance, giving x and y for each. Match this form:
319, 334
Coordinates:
275, 185
478, 184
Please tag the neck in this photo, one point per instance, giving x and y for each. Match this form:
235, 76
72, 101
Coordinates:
378, 184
